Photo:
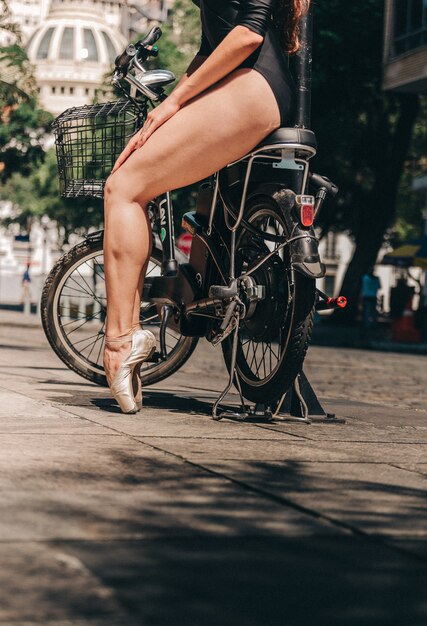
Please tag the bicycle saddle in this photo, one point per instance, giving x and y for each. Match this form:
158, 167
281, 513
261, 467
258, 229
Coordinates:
301, 136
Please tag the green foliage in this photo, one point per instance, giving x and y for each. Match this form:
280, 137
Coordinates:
181, 38
22, 135
37, 194
355, 120
29, 175
364, 134
16, 75
23, 124
410, 204
6, 24
17, 81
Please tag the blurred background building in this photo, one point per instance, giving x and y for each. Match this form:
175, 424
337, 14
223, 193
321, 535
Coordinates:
405, 65
405, 46
72, 43
72, 49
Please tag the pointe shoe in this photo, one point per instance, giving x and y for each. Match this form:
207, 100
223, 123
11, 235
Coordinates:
137, 387
136, 378
143, 346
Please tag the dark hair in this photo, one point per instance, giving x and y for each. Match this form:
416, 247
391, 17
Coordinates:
287, 18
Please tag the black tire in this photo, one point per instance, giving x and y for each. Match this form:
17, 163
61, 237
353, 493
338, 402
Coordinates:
295, 319
74, 357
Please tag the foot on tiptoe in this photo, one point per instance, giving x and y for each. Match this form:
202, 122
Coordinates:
123, 357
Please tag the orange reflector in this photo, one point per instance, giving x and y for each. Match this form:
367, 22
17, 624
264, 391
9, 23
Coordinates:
306, 206
307, 214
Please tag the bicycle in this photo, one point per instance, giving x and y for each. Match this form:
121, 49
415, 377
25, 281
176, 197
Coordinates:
249, 283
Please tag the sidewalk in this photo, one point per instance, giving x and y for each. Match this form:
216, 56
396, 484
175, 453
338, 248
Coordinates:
345, 336
168, 517
16, 319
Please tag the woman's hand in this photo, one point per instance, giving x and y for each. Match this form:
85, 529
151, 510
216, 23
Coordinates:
155, 118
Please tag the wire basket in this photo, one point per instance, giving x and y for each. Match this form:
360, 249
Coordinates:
88, 141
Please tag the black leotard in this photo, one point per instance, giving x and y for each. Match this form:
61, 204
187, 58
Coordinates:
219, 17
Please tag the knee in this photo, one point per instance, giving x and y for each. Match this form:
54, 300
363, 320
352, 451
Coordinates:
119, 190
114, 191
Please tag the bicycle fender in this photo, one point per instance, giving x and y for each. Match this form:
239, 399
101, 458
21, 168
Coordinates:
304, 250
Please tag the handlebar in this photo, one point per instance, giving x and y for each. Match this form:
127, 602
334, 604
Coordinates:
139, 51
325, 183
153, 36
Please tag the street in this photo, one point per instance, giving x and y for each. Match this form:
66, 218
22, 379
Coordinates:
169, 517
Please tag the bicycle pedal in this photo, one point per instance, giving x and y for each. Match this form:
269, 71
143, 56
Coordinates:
219, 338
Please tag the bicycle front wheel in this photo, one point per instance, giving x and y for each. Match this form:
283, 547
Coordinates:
73, 310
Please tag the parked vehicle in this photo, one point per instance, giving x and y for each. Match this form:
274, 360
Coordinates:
249, 282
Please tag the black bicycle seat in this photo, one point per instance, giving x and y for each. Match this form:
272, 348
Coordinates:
301, 136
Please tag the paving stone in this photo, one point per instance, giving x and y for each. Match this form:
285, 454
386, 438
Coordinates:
171, 518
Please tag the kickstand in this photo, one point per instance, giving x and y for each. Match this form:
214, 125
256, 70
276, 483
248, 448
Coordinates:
260, 413
229, 414
301, 404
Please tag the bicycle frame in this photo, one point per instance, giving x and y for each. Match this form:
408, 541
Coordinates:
188, 290
182, 286
163, 216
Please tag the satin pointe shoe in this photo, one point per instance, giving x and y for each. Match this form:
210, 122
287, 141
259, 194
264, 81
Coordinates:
136, 378
122, 386
137, 387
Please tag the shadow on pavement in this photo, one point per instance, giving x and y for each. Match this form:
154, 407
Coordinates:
257, 581
163, 542
171, 401
212, 555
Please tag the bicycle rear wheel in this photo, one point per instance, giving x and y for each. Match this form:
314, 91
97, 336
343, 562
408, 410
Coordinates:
274, 336
73, 310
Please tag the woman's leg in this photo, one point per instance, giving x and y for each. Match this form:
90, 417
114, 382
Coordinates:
214, 129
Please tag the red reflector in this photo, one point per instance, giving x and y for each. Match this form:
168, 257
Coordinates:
342, 302
307, 214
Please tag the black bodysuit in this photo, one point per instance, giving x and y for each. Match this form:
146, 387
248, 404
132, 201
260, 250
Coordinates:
219, 17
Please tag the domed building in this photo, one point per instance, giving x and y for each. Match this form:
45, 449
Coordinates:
72, 50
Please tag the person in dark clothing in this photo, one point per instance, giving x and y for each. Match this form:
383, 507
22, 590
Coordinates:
236, 91
370, 286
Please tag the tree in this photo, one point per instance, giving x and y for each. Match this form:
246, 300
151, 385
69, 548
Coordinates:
37, 194
364, 133
181, 38
409, 212
23, 124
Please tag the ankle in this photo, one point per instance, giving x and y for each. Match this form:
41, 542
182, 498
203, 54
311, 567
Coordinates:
117, 347
121, 334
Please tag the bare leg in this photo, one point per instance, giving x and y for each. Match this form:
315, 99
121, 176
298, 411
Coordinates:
136, 325
217, 127
138, 295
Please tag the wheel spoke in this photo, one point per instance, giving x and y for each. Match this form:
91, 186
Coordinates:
261, 359
98, 337
101, 346
88, 318
101, 276
145, 320
90, 295
77, 328
85, 282
76, 343
84, 332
